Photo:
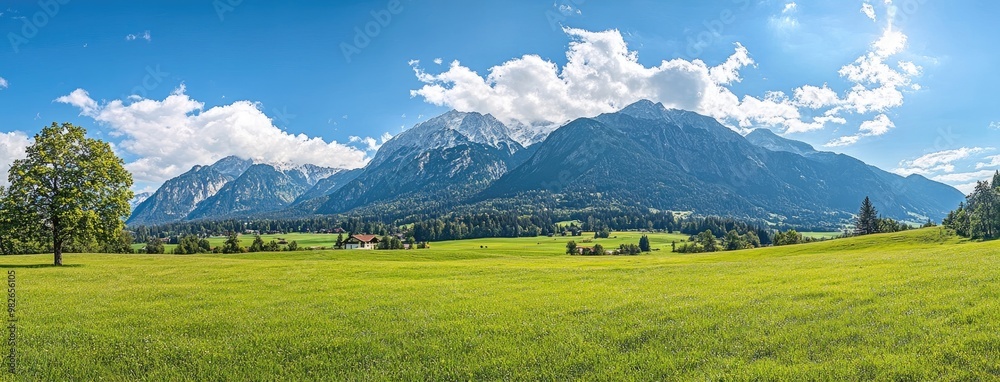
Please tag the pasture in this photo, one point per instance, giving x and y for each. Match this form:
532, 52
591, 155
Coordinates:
822, 235
918, 305
305, 240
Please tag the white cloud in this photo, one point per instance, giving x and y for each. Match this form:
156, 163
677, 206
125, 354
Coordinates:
910, 68
371, 144
81, 99
816, 97
995, 125
569, 10
965, 177
145, 36
966, 188
844, 141
941, 161
891, 43
877, 86
12, 146
602, 75
785, 21
994, 162
3, 83
438, 61
868, 10
878, 126
172, 135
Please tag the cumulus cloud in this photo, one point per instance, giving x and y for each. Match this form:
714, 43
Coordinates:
12, 147
844, 141
816, 97
172, 135
877, 86
602, 75
81, 99
910, 68
868, 10
145, 35
3, 83
965, 176
992, 162
878, 126
372, 144
941, 161
995, 125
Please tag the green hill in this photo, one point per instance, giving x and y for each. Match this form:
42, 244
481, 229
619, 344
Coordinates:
918, 305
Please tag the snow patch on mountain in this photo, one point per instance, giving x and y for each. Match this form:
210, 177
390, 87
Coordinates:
449, 130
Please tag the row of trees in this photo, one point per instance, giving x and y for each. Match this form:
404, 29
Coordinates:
707, 242
979, 216
597, 250
192, 244
457, 226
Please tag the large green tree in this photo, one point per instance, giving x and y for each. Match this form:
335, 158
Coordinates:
69, 187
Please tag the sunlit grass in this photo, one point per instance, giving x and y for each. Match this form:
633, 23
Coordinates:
918, 305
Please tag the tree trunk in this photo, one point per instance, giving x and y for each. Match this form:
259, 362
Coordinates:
57, 242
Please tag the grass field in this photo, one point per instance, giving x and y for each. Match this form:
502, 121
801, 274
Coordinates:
319, 240
918, 305
822, 235
305, 240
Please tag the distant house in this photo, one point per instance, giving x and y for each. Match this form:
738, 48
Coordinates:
361, 242
338, 230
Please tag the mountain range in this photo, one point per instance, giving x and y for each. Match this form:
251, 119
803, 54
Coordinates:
644, 156
233, 187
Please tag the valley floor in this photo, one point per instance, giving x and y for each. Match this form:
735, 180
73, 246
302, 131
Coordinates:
918, 305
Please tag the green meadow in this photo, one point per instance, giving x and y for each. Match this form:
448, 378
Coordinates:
822, 235
918, 305
304, 240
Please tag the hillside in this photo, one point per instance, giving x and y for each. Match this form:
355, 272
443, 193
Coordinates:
917, 305
649, 156
436, 164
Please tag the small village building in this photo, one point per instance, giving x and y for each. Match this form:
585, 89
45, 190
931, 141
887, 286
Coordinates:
361, 242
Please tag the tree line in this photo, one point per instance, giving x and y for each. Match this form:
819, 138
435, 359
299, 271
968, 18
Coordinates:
979, 216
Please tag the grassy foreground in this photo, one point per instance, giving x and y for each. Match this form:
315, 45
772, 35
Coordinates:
918, 305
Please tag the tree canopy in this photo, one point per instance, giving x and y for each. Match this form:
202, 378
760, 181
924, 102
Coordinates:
69, 190
979, 216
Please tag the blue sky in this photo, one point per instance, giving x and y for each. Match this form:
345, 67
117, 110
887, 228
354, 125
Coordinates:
178, 83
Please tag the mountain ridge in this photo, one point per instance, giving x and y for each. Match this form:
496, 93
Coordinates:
644, 155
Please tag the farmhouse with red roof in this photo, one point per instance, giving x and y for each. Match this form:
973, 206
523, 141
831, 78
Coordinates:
361, 242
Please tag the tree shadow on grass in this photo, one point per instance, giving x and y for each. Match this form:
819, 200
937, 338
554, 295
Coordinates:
32, 266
